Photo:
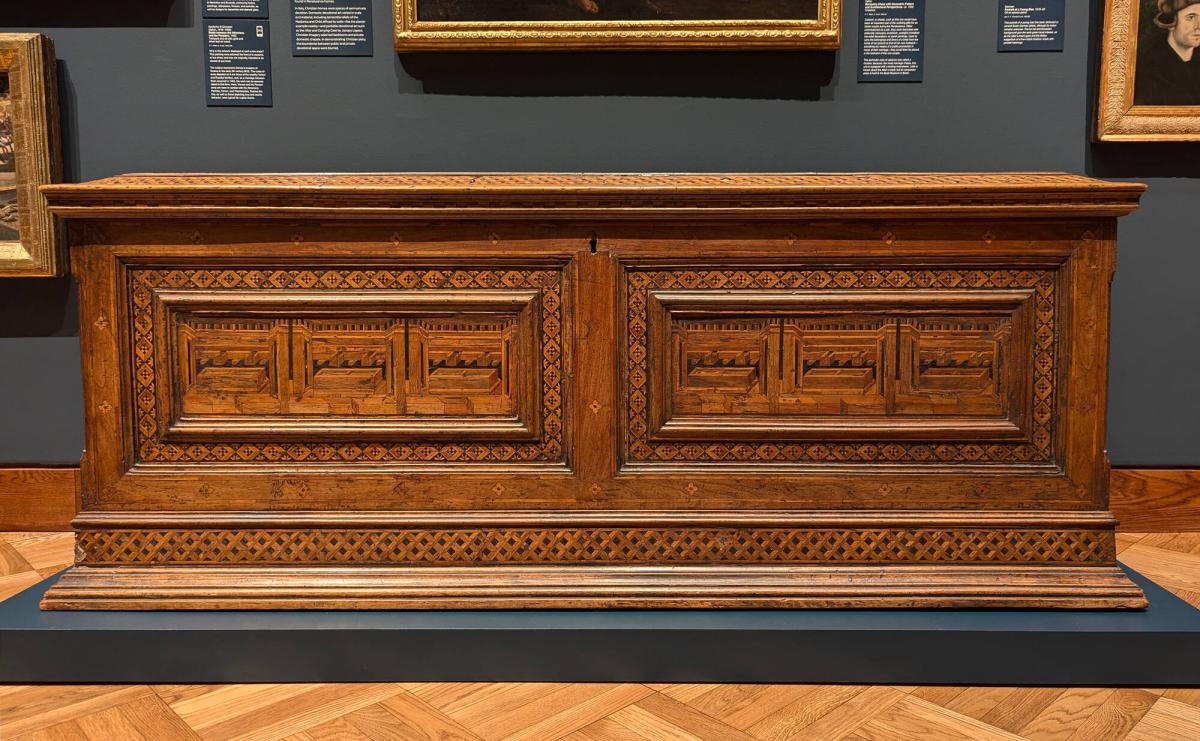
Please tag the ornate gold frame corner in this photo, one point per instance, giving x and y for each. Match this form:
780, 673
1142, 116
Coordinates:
1117, 118
824, 32
29, 60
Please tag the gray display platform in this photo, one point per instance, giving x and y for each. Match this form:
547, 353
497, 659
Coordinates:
1156, 646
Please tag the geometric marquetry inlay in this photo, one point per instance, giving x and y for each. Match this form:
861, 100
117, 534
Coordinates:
600, 545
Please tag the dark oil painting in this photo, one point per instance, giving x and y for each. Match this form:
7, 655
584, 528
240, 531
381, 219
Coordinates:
1167, 68
615, 10
9, 221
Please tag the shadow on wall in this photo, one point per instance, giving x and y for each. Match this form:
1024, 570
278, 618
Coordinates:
758, 75
38, 307
93, 14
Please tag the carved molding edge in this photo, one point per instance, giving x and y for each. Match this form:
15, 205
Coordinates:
489, 587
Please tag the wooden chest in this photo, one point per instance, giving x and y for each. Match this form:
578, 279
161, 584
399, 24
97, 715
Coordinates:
543, 390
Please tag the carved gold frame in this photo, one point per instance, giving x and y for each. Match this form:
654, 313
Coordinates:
28, 58
1117, 118
824, 32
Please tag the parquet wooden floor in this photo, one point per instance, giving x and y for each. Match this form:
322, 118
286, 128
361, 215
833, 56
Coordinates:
599, 712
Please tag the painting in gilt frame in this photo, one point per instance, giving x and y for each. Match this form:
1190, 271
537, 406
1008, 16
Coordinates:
517, 25
1150, 71
29, 156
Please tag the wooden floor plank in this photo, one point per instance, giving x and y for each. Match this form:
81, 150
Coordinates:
17, 583
291, 713
645, 724
39, 706
581, 714
1124, 540
1113, 720
44, 550
338, 729
743, 705
68, 730
820, 700
977, 702
605, 729
1059, 720
689, 718
11, 561
1178, 542
939, 694
1187, 695
1022, 706
683, 692
471, 702
850, 715
1168, 720
1171, 569
501, 717
416, 719
145, 719
913, 719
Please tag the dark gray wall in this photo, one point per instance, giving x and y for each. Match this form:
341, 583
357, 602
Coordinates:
133, 100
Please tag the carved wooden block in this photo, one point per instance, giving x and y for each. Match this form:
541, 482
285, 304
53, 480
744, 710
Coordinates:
445, 391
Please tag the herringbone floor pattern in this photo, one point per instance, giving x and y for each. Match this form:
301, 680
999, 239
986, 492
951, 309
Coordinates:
599, 712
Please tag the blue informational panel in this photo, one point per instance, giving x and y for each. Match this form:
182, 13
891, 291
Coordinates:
237, 62
1031, 25
331, 28
236, 9
892, 34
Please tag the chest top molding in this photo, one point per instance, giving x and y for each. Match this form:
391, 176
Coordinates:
612, 196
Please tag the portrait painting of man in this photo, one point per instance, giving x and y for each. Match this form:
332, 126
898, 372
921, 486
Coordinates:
1168, 65
1149, 71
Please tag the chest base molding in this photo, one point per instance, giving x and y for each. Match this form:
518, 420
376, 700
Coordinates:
640, 586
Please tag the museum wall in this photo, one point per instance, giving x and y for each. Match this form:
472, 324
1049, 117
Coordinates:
132, 90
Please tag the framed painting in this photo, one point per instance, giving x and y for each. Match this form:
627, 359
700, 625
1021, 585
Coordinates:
518, 25
29, 156
1150, 71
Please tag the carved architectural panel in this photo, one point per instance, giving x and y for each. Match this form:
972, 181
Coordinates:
762, 361
419, 356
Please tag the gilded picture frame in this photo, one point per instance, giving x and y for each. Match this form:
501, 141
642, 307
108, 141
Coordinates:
415, 31
1129, 108
30, 245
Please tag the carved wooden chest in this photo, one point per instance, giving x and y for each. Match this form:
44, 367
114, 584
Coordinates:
453, 391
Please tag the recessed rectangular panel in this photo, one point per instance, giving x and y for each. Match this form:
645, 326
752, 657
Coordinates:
880, 366
313, 365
